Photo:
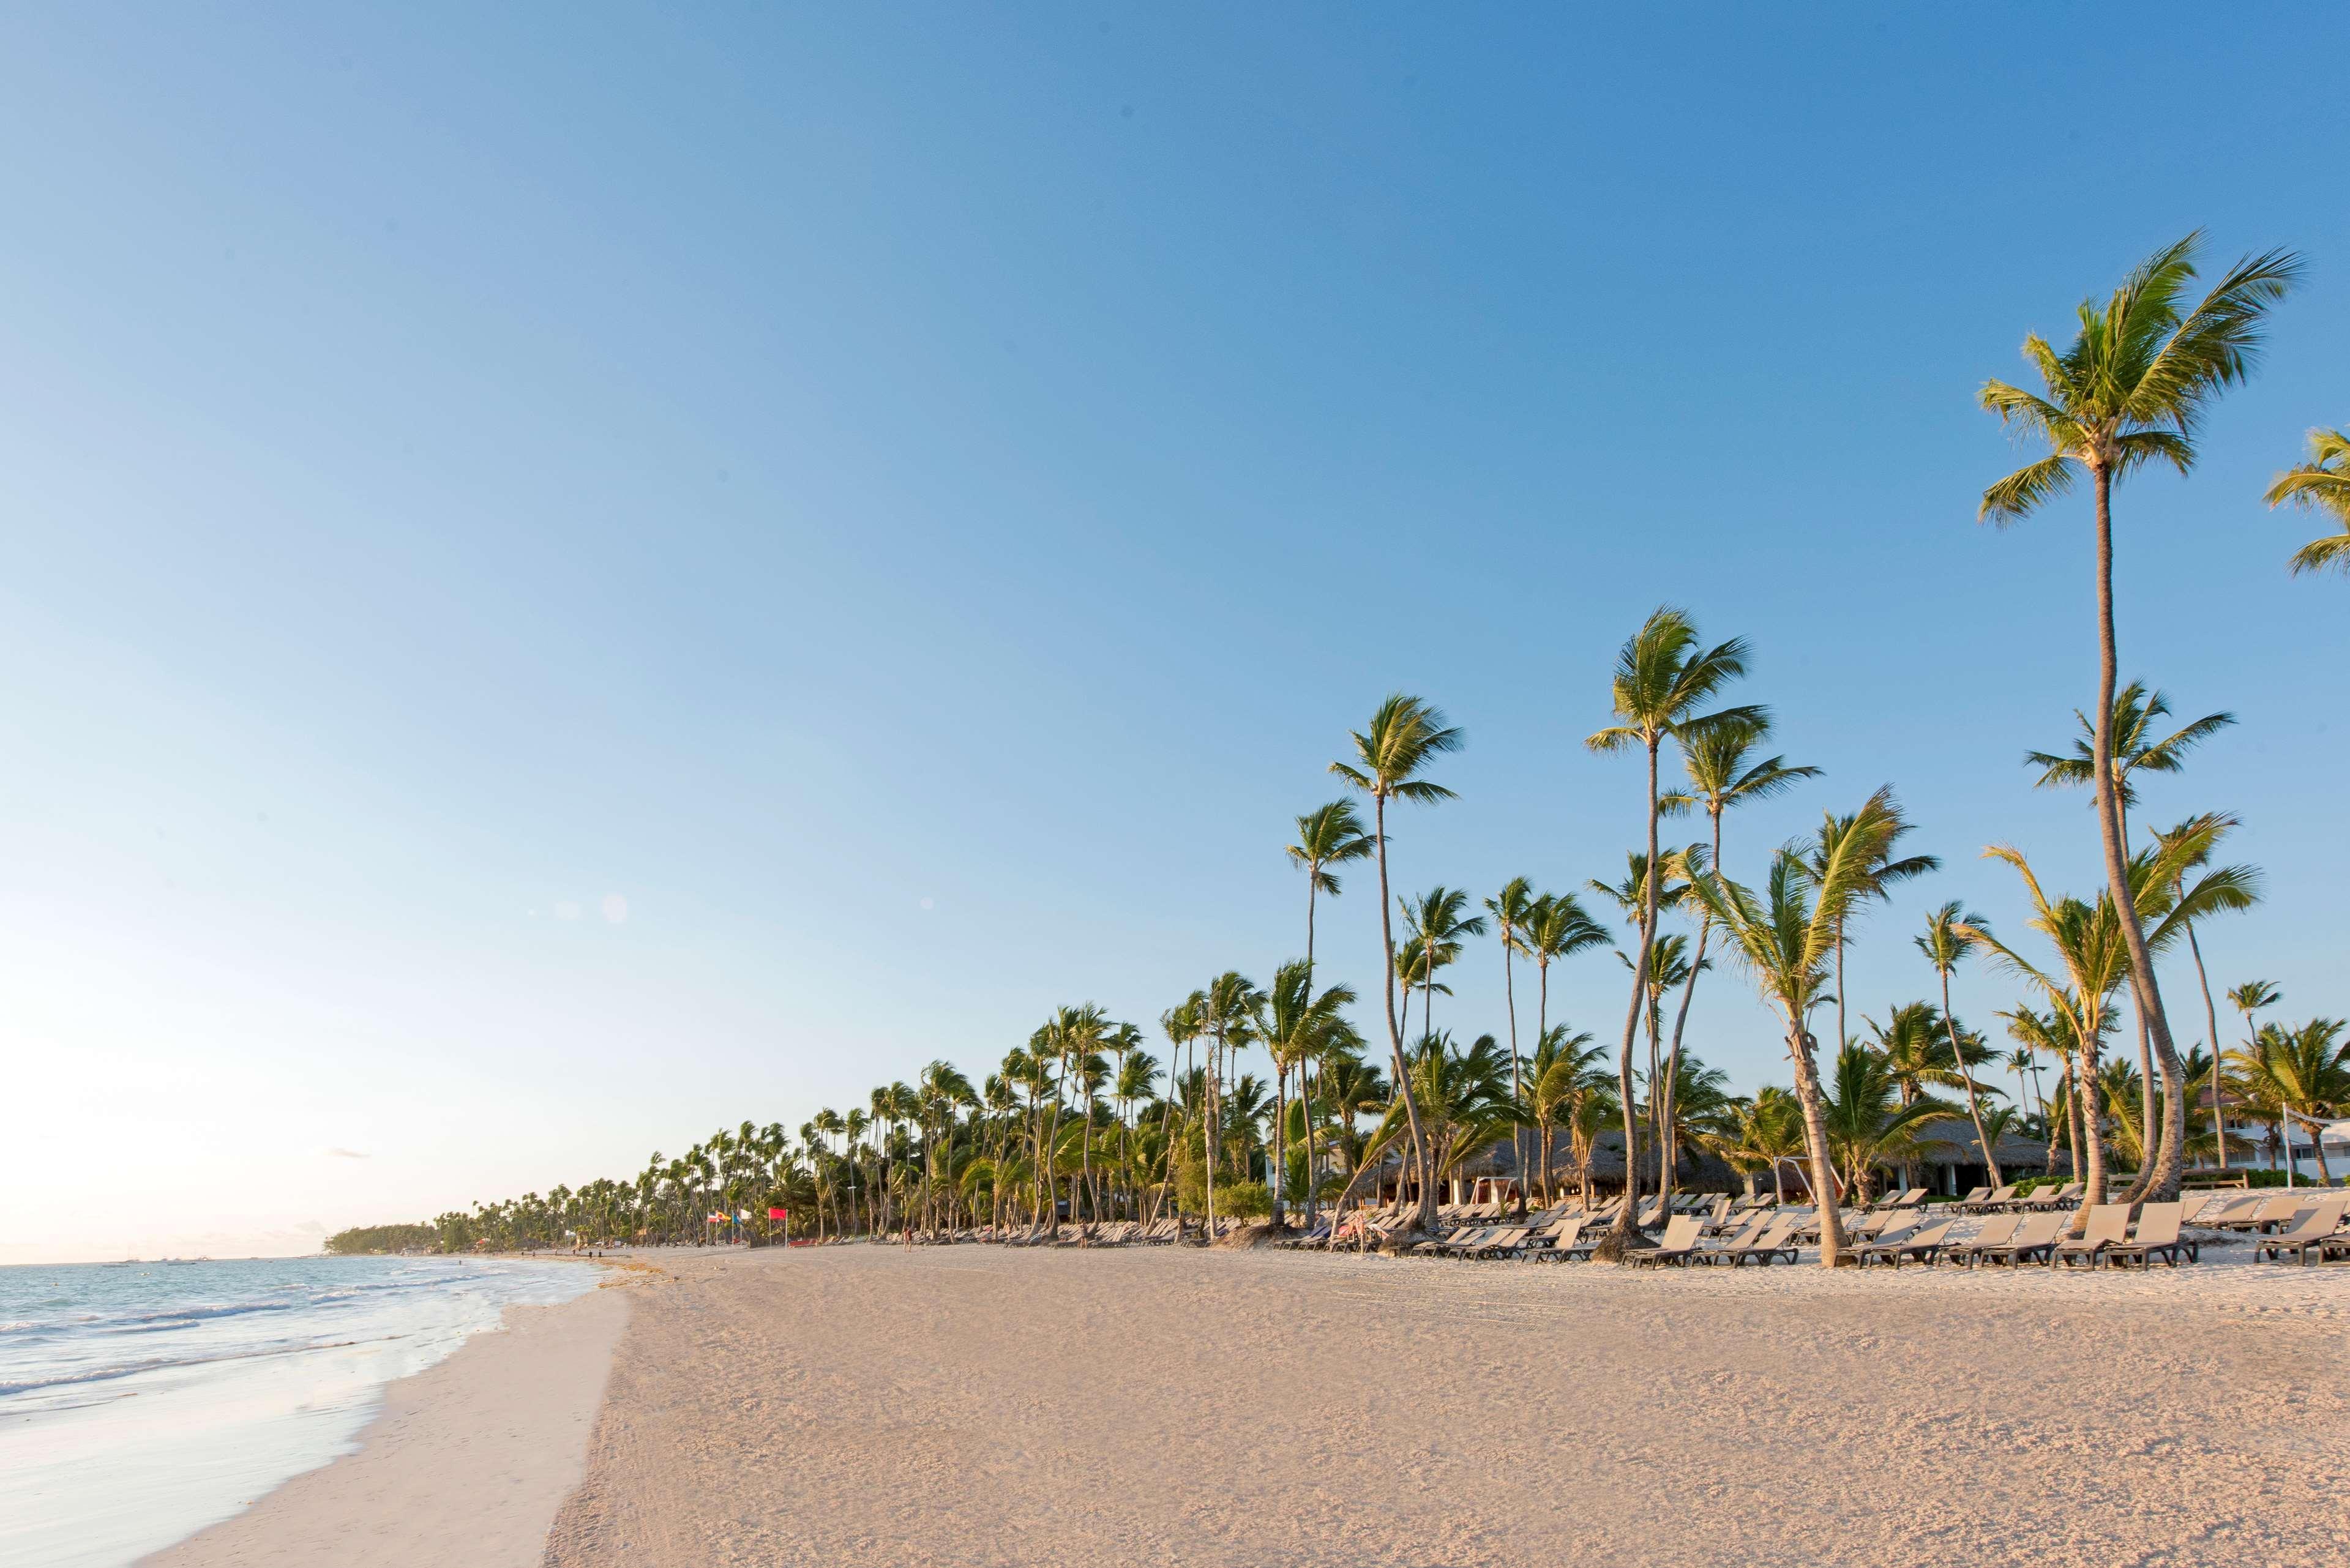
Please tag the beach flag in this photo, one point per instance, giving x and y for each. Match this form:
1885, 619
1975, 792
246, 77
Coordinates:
779, 1213
718, 1219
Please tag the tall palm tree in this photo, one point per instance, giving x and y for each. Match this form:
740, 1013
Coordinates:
2171, 909
1765, 1133
1327, 835
1558, 928
2301, 1074
1404, 736
1785, 940
1661, 678
1438, 923
1513, 908
1878, 876
1946, 949
1722, 773
2130, 390
2323, 482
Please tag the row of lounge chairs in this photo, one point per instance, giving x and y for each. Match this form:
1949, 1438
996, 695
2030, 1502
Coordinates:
2003, 1200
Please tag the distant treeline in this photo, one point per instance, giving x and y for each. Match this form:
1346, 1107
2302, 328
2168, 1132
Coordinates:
368, 1239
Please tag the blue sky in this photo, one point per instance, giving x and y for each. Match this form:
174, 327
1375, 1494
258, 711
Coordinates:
579, 575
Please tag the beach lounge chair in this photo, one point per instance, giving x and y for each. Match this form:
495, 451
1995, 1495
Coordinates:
1750, 1230
1974, 1196
2043, 1196
1506, 1238
1680, 1241
1997, 1232
2034, 1240
2257, 1214
1466, 1236
1572, 1243
2313, 1228
1925, 1244
2108, 1223
2158, 1233
1988, 1202
1777, 1241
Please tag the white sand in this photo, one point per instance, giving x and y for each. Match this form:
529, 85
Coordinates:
976, 1406
465, 1466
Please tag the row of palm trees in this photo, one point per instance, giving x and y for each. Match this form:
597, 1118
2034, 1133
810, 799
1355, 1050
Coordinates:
1083, 1123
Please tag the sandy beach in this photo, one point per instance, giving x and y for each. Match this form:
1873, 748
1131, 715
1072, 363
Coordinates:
974, 1404
466, 1464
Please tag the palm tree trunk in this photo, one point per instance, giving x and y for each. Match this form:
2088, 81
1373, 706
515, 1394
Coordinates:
2091, 1167
2211, 1023
1815, 1138
1517, 1086
1395, 1031
2146, 1142
1305, 1063
1680, 1019
1620, 1237
2162, 1180
1966, 1075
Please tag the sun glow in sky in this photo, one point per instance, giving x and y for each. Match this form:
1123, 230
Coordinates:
573, 577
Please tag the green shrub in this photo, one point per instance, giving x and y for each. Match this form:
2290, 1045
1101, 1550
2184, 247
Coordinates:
1242, 1200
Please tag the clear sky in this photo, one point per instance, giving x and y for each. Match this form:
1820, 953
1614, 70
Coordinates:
576, 574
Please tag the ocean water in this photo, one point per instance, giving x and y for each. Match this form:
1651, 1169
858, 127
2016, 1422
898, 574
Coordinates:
141, 1402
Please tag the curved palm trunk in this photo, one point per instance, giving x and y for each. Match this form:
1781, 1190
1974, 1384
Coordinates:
1621, 1236
2147, 1149
2211, 1024
1823, 1176
2162, 1177
1966, 1076
1395, 1031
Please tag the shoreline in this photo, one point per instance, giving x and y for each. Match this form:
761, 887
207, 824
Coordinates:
466, 1461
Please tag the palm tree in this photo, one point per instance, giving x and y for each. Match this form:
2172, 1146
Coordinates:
1661, 678
2173, 908
2090, 947
1945, 950
1566, 1075
1512, 909
2195, 857
2130, 390
2250, 999
2300, 1075
1558, 928
1785, 940
1295, 1026
1436, 924
2323, 482
1869, 1123
1405, 735
1327, 835
1718, 758
1765, 1133
1878, 878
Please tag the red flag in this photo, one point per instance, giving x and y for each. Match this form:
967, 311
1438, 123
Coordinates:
779, 1213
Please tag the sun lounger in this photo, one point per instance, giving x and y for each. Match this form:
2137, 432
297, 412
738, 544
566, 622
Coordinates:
1573, 1244
1924, 1243
1506, 1238
1777, 1241
1988, 1202
2034, 1240
2045, 1195
1974, 1196
2313, 1228
1680, 1241
2108, 1223
2158, 1233
1997, 1232
1461, 1238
